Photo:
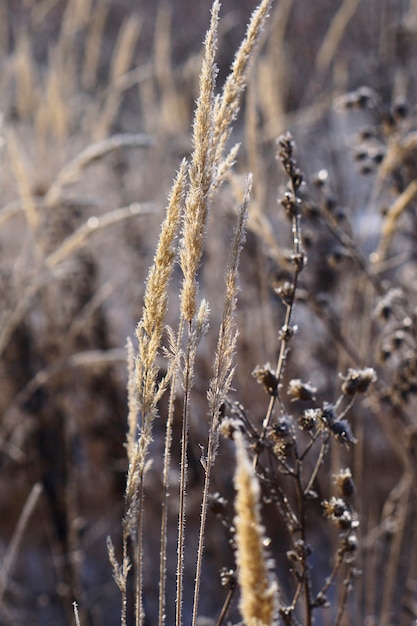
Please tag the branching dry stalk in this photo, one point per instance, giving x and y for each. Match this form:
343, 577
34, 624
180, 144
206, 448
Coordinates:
291, 203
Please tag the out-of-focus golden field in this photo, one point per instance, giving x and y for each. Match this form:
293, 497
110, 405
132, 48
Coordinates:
249, 446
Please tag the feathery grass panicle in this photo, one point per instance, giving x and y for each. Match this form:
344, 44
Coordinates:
227, 105
201, 173
150, 328
258, 601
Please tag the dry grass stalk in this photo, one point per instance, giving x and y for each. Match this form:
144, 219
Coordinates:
197, 204
93, 47
76, 16
24, 184
172, 112
25, 77
40, 10
16, 541
57, 110
334, 35
122, 59
4, 31
120, 573
125, 47
195, 335
258, 602
391, 218
223, 374
174, 356
223, 360
272, 94
402, 493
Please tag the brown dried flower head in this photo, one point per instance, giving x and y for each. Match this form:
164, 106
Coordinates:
344, 482
266, 377
297, 390
358, 380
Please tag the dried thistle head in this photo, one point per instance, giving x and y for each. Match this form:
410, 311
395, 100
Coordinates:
328, 420
358, 380
308, 419
266, 377
340, 513
298, 390
344, 481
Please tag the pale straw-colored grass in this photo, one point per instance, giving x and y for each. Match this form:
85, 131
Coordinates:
258, 601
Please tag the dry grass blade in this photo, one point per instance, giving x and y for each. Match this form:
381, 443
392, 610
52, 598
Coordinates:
74, 241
